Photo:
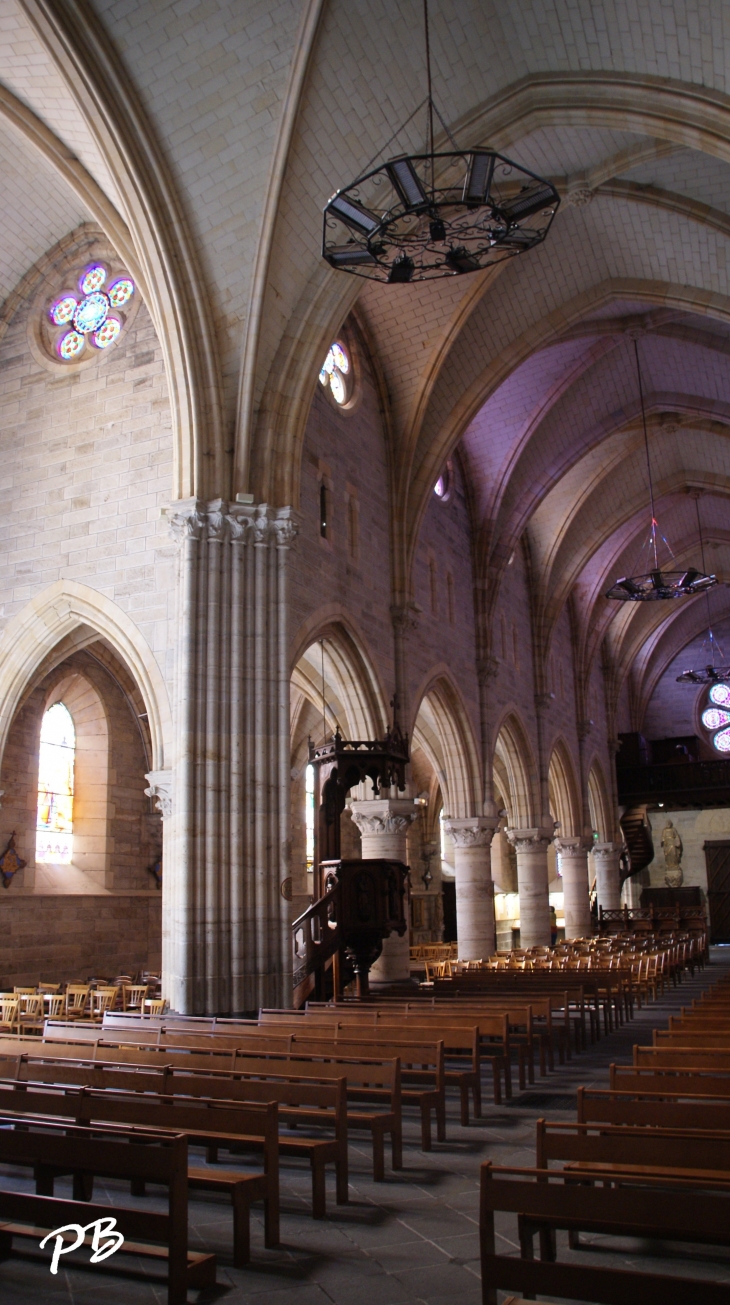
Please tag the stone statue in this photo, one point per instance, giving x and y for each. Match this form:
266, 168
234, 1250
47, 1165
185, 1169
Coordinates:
672, 847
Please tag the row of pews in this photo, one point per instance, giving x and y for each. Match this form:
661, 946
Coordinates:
648, 1158
160, 1099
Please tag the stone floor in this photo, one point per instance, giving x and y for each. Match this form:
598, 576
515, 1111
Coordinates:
411, 1240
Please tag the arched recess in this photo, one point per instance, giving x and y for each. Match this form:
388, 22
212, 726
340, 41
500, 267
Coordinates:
334, 686
151, 233
599, 804
354, 697
564, 803
443, 731
513, 766
60, 612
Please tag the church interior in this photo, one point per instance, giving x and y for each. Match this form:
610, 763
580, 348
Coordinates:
365, 668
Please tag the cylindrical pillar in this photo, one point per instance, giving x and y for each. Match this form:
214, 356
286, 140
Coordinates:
608, 878
531, 847
383, 825
474, 885
573, 853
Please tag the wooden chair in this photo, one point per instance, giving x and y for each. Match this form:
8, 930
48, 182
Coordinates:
134, 996
9, 1013
24, 992
155, 1006
103, 999
49, 988
54, 1005
31, 1018
77, 998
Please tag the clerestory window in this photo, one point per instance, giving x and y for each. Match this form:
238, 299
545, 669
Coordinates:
54, 824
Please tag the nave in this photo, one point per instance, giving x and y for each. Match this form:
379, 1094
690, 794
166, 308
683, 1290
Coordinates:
412, 1238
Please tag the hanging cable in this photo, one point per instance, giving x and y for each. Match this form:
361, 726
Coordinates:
646, 450
324, 705
429, 96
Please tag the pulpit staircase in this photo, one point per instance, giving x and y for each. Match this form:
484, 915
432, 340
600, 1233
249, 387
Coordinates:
637, 835
341, 935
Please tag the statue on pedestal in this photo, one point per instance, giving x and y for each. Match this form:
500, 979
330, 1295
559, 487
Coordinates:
672, 847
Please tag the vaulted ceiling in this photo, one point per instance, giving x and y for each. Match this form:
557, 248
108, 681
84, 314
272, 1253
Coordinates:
205, 139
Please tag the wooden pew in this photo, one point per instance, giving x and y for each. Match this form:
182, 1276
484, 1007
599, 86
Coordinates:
637, 1150
682, 1057
654, 1109
462, 1051
300, 1103
547, 1202
375, 1081
422, 1071
678, 1078
462, 1044
136, 1155
209, 1123
531, 1020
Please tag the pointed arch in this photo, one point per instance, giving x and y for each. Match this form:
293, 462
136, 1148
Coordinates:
564, 802
443, 730
65, 609
514, 766
599, 804
354, 698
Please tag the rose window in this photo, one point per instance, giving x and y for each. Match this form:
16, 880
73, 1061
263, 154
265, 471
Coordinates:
92, 316
716, 717
336, 373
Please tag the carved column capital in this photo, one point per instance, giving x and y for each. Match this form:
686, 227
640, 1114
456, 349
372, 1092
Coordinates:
160, 790
530, 840
573, 846
605, 851
382, 816
474, 831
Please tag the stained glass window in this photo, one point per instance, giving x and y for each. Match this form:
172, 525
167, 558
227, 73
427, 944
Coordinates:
70, 345
309, 814
442, 488
54, 825
335, 373
93, 279
89, 313
716, 718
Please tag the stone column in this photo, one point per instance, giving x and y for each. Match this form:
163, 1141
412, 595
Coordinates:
608, 878
226, 936
573, 853
474, 886
531, 847
383, 824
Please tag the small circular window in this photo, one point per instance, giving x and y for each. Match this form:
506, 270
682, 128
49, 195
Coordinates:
716, 717
336, 373
442, 488
89, 315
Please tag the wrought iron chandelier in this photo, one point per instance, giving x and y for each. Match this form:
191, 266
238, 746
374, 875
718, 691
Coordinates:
657, 583
717, 668
422, 216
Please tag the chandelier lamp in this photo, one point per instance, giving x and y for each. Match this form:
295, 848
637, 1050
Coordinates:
716, 668
422, 216
658, 583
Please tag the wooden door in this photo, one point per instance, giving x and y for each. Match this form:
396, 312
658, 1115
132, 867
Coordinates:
717, 856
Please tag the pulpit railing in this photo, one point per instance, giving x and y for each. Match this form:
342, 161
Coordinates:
316, 935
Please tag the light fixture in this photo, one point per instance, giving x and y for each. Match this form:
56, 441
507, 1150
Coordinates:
421, 216
717, 668
657, 583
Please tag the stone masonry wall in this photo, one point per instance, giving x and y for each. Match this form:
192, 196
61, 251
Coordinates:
57, 938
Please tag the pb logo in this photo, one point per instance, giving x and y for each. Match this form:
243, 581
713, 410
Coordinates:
102, 1249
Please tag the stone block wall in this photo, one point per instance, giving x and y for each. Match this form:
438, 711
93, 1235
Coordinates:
60, 938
